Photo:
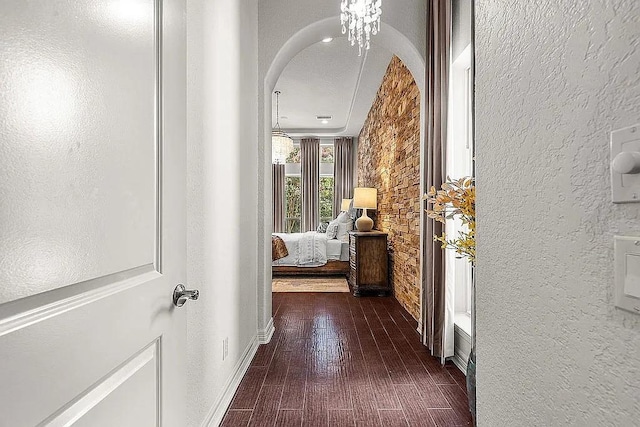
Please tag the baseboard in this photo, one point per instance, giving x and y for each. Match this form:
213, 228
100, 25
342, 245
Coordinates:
217, 411
264, 335
462, 348
460, 363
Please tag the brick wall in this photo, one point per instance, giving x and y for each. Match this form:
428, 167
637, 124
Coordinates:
389, 160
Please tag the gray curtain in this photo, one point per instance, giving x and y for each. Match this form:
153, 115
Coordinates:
437, 83
342, 172
310, 188
278, 198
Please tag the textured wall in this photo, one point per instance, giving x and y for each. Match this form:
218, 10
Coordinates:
389, 160
552, 80
221, 253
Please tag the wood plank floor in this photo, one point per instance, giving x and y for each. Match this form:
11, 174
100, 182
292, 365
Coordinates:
336, 360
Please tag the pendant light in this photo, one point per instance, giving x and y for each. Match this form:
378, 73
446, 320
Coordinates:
281, 143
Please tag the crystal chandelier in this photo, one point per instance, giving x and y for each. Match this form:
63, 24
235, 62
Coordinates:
361, 18
281, 143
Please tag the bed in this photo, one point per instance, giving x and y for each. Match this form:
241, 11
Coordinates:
312, 253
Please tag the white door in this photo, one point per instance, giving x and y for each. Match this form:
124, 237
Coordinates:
92, 212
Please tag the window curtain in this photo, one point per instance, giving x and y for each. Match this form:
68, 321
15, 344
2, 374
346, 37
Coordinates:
342, 172
310, 187
437, 303
278, 198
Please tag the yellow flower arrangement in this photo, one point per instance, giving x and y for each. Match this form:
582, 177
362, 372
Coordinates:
456, 198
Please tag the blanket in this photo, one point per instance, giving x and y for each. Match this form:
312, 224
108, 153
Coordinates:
312, 248
278, 248
305, 249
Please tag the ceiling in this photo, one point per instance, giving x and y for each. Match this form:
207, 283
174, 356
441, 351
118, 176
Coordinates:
329, 79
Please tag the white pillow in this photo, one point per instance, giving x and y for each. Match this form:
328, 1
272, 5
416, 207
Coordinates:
339, 228
332, 229
343, 217
343, 231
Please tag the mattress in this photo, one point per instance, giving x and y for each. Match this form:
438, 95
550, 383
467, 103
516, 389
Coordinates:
337, 250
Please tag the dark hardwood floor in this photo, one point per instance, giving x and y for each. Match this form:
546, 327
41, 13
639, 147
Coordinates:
336, 360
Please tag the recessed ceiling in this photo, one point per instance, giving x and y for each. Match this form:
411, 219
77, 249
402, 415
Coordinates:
330, 79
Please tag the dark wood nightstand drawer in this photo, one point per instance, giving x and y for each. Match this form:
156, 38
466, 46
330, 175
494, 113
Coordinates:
368, 260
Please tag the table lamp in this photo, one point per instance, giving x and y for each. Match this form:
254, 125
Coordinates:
346, 203
365, 198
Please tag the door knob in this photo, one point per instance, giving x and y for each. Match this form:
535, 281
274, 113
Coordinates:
181, 295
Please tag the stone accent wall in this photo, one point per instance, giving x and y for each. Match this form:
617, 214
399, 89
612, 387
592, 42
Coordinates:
389, 160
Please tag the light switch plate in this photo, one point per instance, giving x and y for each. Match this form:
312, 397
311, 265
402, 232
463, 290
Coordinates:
625, 188
632, 275
627, 272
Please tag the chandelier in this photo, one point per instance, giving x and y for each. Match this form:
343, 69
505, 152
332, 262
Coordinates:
281, 143
361, 18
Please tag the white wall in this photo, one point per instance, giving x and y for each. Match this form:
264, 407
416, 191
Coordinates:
461, 32
553, 79
222, 203
281, 20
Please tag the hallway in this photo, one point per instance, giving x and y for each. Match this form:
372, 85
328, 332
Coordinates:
336, 360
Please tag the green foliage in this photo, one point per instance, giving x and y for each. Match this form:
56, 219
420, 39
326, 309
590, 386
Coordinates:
326, 154
326, 199
294, 155
293, 204
293, 194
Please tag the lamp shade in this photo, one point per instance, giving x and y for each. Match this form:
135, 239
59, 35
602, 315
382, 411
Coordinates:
281, 146
281, 143
365, 198
346, 204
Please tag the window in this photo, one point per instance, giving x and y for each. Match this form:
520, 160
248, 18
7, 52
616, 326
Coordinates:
326, 154
326, 183
293, 204
326, 198
293, 183
459, 164
294, 156
293, 192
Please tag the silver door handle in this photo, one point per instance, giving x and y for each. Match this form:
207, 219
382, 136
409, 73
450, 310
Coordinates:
182, 294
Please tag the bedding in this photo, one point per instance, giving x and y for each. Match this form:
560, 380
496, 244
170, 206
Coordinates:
314, 249
305, 249
311, 249
337, 250
332, 230
339, 228
343, 231
278, 248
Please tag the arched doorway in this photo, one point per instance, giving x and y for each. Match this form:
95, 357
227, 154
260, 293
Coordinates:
389, 38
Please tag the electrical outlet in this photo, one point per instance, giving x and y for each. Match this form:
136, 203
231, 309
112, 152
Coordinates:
225, 348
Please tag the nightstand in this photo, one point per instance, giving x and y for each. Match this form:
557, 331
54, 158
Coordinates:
369, 264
